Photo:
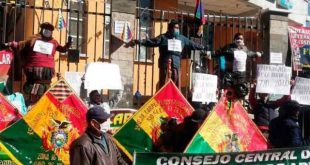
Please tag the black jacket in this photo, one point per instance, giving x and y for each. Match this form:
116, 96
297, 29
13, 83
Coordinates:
161, 41
285, 132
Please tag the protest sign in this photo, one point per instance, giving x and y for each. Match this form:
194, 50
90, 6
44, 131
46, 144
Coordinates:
275, 58
74, 79
204, 86
288, 156
101, 75
120, 117
239, 61
301, 91
300, 46
273, 79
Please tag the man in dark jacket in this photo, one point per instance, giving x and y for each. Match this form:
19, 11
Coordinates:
284, 131
95, 147
171, 45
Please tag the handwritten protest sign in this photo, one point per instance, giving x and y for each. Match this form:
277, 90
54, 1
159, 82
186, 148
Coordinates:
301, 91
273, 79
204, 86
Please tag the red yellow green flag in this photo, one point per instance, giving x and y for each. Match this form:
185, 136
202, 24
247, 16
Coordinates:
227, 130
8, 113
144, 128
44, 134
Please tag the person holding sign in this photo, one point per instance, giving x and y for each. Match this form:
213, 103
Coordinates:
233, 59
171, 45
38, 59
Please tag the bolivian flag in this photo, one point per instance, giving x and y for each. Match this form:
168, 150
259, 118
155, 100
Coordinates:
44, 134
144, 128
8, 113
227, 130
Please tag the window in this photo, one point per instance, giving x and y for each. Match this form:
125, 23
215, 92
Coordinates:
77, 24
107, 29
143, 30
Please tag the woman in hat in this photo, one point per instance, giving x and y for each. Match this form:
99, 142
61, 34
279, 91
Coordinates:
38, 60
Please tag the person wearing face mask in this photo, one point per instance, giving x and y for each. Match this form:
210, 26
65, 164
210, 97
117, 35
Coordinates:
95, 146
232, 59
171, 45
37, 55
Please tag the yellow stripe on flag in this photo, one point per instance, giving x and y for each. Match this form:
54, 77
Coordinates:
215, 132
3, 148
43, 118
148, 117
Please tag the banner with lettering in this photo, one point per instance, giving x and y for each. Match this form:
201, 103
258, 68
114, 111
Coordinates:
300, 46
145, 127
204, 86
273, 79
301, 91
120, 117
6, 58
287, 156
44, 134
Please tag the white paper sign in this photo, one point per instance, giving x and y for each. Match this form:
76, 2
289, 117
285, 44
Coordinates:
204, 86
275, 58
239, 61
119, 26
43, 47
273, 79
301, 91
75, 80
174, 45
101, 75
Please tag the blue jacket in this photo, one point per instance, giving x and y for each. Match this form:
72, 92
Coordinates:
161, 41
285, 132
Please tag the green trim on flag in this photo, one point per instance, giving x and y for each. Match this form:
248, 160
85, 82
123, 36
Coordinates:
26, 151
133, 139
204, 147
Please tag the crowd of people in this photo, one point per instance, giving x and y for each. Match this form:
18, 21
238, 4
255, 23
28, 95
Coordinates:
277, 120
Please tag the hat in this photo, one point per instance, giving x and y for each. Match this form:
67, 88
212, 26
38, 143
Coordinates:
97, 112
47, 25
198, 115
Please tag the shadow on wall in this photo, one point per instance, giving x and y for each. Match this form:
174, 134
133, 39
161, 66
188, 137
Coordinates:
116, 43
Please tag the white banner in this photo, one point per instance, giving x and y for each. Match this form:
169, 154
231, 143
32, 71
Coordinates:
204, 86
101, 75
301, 91
273, 79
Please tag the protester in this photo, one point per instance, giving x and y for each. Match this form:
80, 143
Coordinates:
264, 110
171, 45
233, 59
176, 137
38, 60
95, 99
284, 131
95, 146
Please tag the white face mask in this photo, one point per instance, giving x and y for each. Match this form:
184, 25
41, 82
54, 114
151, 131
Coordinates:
46, 33
239, 42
